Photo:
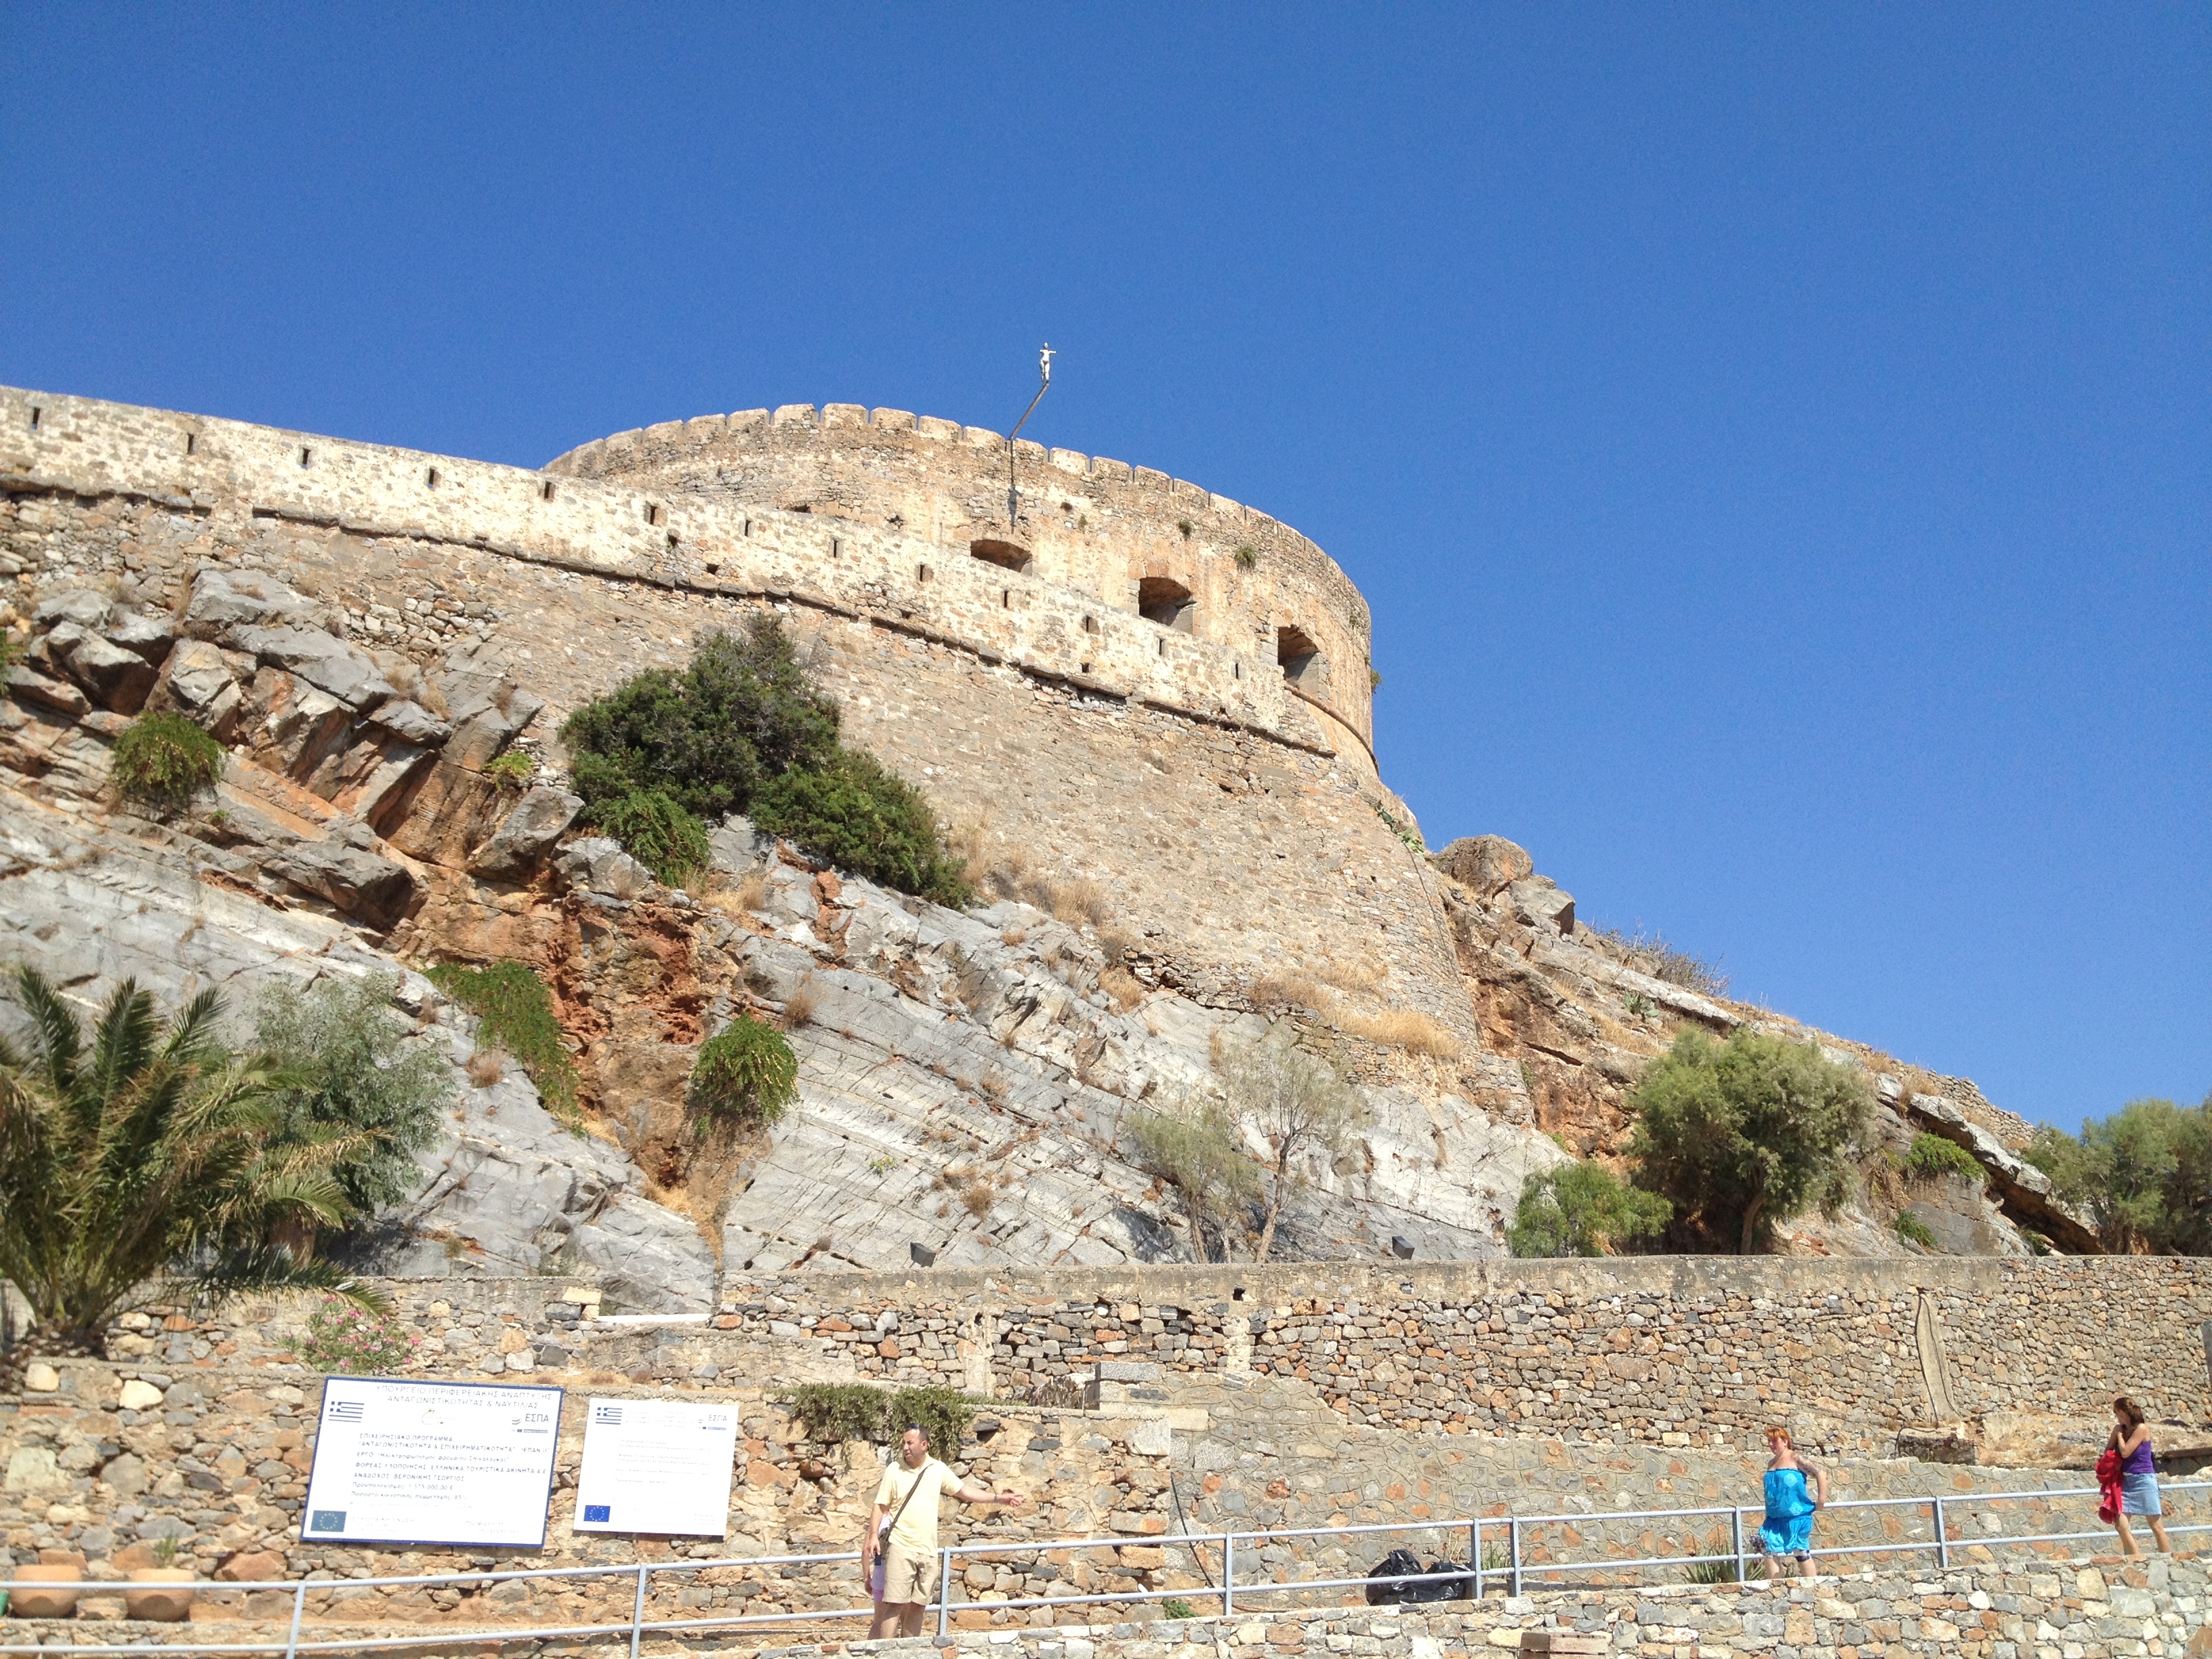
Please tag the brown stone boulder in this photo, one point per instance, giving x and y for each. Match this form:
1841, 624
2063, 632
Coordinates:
1488, 864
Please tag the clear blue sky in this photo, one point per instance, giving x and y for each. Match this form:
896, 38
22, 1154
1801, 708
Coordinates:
1776, 441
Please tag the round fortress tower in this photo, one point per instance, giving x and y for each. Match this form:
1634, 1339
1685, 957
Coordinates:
1129, 538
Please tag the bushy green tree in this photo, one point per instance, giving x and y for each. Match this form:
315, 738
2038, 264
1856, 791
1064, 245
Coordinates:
145, 1154
1581, 1209
1197, 1151
746, 1072
741, 729
851, 812
2143, 1176
346, 1070
709, 734
1302, 1106
1744, 1134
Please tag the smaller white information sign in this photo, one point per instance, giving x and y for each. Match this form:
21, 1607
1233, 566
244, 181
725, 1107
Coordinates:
432, 1463
656, 1466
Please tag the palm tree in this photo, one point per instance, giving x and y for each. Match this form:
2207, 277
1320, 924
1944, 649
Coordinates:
147, 1161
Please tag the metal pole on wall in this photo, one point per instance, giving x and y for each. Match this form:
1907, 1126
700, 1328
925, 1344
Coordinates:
637, 1611
1943, 1539
1736, 1538
943, 1593
299, 1607
1044, 384
1228, 1573
1513, 1556
1474, 1552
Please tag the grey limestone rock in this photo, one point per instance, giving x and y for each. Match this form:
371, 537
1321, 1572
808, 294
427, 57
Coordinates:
26, 685
87, 607
224, 599
1538, 902
149, 633
196, 679
321, 660
599, 865
371, 888
410, 722
539, 819
119, 678
489, 709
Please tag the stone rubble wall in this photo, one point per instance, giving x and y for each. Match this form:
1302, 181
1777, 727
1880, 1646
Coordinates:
1088, 523
2100, 1608
189, 462
1666, 1351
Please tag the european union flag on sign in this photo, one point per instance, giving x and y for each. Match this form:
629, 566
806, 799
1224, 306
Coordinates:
598, 1511
327, 1521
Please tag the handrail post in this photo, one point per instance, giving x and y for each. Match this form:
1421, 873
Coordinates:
943, 1593
1735, 1540
1942, 1539
299, 1607
637, 1611
1513, 1555
1474, 1552
1228, 1573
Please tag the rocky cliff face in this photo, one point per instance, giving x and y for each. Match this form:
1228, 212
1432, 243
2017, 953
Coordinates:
966, 1082
1582, 1013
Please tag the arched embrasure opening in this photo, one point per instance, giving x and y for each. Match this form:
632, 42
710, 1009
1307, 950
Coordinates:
1300, 659
1006, 555
1167, 602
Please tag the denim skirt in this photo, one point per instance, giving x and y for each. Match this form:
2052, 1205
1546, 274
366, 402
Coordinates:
2139, 1494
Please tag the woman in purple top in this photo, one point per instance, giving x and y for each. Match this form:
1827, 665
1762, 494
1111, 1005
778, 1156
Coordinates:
2138, 1476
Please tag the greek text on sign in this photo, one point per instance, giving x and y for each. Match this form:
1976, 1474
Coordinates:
656, 1466
432, 1463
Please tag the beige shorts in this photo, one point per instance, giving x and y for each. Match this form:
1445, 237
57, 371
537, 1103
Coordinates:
910, 1579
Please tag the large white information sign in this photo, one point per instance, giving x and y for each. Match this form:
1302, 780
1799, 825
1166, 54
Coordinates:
432, 1463
656, 1466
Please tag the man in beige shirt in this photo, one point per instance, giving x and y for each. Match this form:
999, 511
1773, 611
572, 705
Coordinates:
906, 1505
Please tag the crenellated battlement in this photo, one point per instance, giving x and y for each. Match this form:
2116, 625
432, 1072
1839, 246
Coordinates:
1136, 540
645, 510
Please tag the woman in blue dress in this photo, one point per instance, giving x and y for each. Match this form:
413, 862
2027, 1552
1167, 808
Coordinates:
1795, 1489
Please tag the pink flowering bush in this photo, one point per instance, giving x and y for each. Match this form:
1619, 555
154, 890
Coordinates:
342, 1337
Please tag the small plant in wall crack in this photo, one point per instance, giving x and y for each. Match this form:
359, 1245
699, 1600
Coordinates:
1246, 556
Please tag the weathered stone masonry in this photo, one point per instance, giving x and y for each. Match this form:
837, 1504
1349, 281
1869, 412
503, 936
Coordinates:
1222, 824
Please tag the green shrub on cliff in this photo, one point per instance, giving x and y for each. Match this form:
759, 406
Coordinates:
2143, 1176
1744, 1134
165, 760
709, 734
1581, 1209
746, 1072
856, 815
515, 1012
658, 834
741, 729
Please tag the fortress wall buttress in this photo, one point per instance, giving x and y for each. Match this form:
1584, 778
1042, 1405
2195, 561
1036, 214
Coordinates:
1231, 822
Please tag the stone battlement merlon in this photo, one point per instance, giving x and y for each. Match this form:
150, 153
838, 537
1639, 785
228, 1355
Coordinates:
671, 537
1139, 540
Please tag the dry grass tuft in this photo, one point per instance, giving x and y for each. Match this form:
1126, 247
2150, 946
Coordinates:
486, 1066
1124, 988
978, 1199
799, 1008
993, 1088
1282, 986
1077, 902
1015, 936
1399, 1028
1360, 978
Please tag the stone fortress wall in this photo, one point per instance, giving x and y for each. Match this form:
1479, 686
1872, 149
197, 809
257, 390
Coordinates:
1229, 822
1135, 540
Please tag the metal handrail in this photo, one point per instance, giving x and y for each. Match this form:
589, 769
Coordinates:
1511, 1527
